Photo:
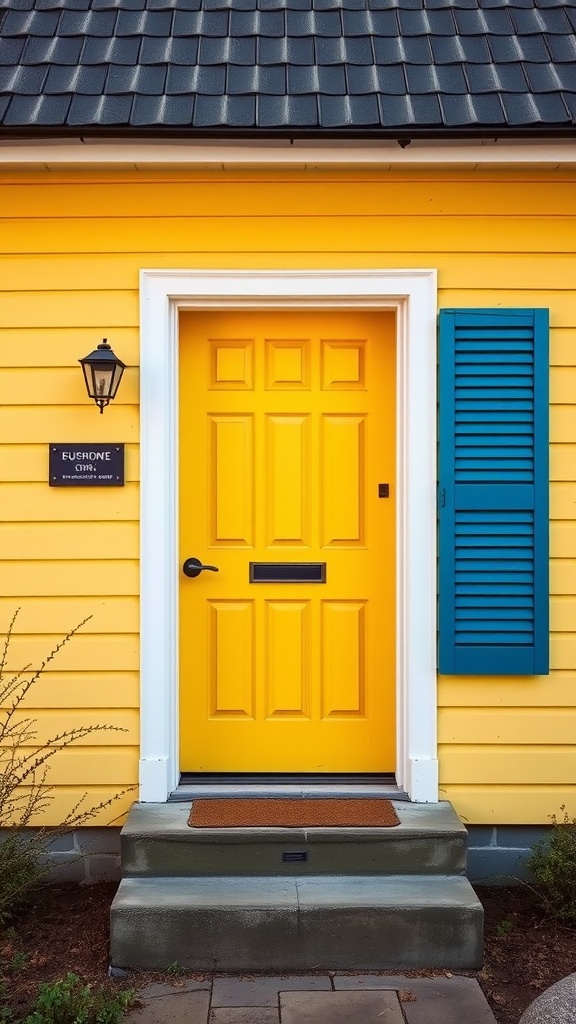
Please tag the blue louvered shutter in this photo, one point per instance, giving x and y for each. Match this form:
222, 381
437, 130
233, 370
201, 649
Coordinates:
493, 492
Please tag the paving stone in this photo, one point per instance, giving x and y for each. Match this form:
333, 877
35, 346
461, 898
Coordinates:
353, 982
340, 1008
264, 991
438, 1000
446, 1001
183, 1008
244, 1015
184, 985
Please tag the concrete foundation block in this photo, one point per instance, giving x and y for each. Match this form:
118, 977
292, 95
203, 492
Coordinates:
99, 840
104, 868
66, 867
497, 866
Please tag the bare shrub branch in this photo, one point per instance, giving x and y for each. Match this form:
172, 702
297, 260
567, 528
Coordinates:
25, 794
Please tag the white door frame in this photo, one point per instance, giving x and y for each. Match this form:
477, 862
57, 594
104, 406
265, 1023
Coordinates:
412, 295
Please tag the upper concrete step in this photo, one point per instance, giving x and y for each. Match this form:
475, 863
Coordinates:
157, 841
285, 924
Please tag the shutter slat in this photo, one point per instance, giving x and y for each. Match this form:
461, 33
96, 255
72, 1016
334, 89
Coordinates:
494, 477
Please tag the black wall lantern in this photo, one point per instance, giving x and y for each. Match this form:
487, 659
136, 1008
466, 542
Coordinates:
102, 373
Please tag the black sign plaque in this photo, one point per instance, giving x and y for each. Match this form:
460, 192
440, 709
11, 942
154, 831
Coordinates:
86, 465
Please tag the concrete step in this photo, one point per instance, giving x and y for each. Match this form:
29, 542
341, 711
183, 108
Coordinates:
158, 842
282, 924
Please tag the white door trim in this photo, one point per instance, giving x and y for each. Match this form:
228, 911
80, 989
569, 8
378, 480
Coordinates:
412, 294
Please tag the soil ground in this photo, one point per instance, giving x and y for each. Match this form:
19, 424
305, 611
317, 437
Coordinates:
66, 929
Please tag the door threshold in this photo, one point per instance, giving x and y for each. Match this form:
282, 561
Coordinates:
225, 784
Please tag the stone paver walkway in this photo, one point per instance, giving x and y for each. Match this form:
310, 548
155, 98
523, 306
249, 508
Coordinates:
328, 998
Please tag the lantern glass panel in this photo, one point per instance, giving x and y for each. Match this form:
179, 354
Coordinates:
103, 376
87, 371
118, 370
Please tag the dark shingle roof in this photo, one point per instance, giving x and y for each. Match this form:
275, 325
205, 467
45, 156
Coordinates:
290, 66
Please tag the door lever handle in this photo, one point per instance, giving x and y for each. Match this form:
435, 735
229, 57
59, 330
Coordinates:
193, 567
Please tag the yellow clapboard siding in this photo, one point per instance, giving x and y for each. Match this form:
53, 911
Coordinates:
513, 725
52, 309
64, 799
562, 346
258, 198
563, 461
92, 767
562, 614
562, 500
113, 271
507, 691
496, 237
41, 424
563, 379
562, 424
33, 502
563, 651
563, 576
57, 386
62, 346
563, 311
85, 690
524, 765
510, 805
35, 541
563, 539
292, 233
29, 463
161, 174
62, 579
61, 614
46, 725
98, 653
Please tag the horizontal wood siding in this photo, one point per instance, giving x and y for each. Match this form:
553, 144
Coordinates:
72, 247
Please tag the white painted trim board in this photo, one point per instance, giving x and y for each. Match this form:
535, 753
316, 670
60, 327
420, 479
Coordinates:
412, 294
157, 154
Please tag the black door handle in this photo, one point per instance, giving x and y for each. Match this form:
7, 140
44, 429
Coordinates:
193, 567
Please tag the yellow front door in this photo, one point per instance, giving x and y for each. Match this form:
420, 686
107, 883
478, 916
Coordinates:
287, 462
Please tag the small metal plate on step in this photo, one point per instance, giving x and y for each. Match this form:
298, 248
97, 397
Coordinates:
294, 857
287, 572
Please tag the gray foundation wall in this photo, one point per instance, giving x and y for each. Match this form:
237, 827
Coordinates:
85, 855
496, 854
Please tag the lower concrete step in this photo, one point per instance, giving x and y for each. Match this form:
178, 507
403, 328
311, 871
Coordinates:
285, 924
157, 841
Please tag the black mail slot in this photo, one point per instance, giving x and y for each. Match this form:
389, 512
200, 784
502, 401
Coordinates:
287, 572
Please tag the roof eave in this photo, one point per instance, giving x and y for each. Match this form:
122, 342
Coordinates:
403, 136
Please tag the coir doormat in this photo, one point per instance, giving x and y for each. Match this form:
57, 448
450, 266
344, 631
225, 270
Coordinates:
299, 813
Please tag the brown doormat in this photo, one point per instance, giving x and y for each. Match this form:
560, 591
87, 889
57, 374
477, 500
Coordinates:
286, 813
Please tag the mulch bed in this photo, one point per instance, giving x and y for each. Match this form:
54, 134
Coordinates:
66, 929
525, 950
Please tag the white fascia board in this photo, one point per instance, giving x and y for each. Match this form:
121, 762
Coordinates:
201, 153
